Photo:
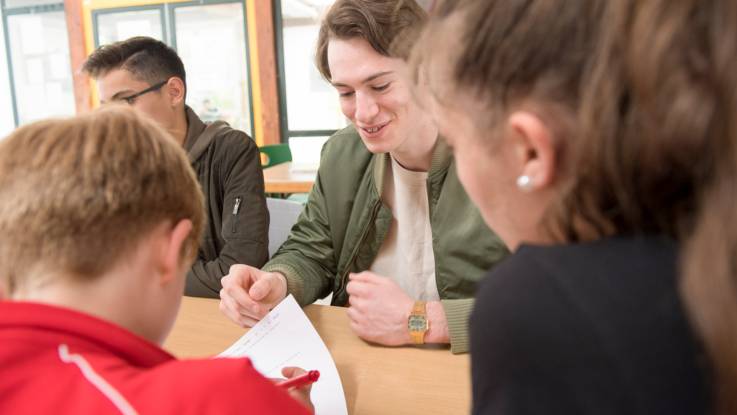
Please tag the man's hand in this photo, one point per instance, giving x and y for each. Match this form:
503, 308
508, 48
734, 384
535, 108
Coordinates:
379, 309
248, 294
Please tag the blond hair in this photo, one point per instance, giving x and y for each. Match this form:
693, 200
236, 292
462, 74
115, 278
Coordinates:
78, 194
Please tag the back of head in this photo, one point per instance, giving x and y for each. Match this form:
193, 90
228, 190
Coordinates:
379, 22
147, 59
642, 97
78, 194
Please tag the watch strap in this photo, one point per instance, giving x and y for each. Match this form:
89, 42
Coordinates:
419, 309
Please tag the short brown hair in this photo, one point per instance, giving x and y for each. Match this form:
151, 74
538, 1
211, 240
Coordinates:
78, 194
147, 59
379, 22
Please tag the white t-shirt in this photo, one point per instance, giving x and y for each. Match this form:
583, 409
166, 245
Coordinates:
406, 255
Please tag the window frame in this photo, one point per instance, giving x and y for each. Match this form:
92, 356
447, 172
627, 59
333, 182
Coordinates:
286, 133
96, 13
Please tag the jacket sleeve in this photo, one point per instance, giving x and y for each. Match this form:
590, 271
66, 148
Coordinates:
457, 313
245, 218
307, 258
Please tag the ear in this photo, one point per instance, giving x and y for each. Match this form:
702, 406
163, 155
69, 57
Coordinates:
534, 148
176, 90
171, 260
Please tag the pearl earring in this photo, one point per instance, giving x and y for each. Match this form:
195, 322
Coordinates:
524, 183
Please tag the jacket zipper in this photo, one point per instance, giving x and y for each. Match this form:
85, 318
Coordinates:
344, 278
236, 208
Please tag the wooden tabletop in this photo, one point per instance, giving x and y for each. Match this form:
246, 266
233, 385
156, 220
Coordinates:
280, 179
376, 380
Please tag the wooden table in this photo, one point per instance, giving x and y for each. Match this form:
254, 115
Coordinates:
376, 380
280, 179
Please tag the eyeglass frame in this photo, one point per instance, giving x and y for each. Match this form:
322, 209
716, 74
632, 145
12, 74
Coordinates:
130, 99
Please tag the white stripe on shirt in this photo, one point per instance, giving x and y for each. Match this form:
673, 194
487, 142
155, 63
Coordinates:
96, 380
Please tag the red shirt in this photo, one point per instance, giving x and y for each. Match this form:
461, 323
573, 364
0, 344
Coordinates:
56, 360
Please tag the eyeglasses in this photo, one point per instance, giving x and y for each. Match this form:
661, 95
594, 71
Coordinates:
130, 99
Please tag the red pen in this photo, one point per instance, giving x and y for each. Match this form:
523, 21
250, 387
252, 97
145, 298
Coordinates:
301, 380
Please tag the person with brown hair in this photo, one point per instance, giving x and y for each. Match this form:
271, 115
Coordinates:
101, 216
388, 228
149, 76
599, 139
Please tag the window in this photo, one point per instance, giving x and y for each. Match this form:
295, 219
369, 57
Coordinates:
210, 37
114, 25
15, 4
211, 41
7, 122
309, 104
37, 50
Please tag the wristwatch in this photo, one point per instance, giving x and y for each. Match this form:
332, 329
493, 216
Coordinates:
417, 323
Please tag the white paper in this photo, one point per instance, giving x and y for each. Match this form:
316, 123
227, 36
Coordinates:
285, 337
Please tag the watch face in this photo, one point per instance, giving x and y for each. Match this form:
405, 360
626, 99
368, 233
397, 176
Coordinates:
417, 323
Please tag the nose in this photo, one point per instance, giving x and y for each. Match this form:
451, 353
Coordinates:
366, 108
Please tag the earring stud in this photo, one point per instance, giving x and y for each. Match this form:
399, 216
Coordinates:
524, 183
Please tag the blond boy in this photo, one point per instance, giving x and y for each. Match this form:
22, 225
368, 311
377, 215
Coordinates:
100, 217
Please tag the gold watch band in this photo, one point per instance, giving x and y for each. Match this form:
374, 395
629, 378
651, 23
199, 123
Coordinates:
418, 337
419, 309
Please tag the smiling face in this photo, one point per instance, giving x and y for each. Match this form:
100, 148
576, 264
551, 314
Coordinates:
374, 96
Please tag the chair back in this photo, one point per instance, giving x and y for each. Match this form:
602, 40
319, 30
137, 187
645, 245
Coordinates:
274, 154
284, 214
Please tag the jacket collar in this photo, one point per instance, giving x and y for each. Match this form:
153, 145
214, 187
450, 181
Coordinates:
73, 326
439, 163
195, 127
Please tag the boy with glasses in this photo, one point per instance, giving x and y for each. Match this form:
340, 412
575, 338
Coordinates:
149, 76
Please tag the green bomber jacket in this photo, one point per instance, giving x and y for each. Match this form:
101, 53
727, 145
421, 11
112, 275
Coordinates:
345, 222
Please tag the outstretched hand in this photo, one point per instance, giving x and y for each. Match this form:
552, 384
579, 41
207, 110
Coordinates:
248, 294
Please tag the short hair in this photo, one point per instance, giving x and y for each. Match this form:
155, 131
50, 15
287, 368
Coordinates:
147, 59
78, 195
379, 22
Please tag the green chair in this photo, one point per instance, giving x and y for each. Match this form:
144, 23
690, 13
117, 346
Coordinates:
300, 198
274, 154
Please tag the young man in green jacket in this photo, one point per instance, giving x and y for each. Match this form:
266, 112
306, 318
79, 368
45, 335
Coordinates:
148, 75
387, 229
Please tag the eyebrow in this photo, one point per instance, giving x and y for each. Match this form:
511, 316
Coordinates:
367, 80
120, 94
